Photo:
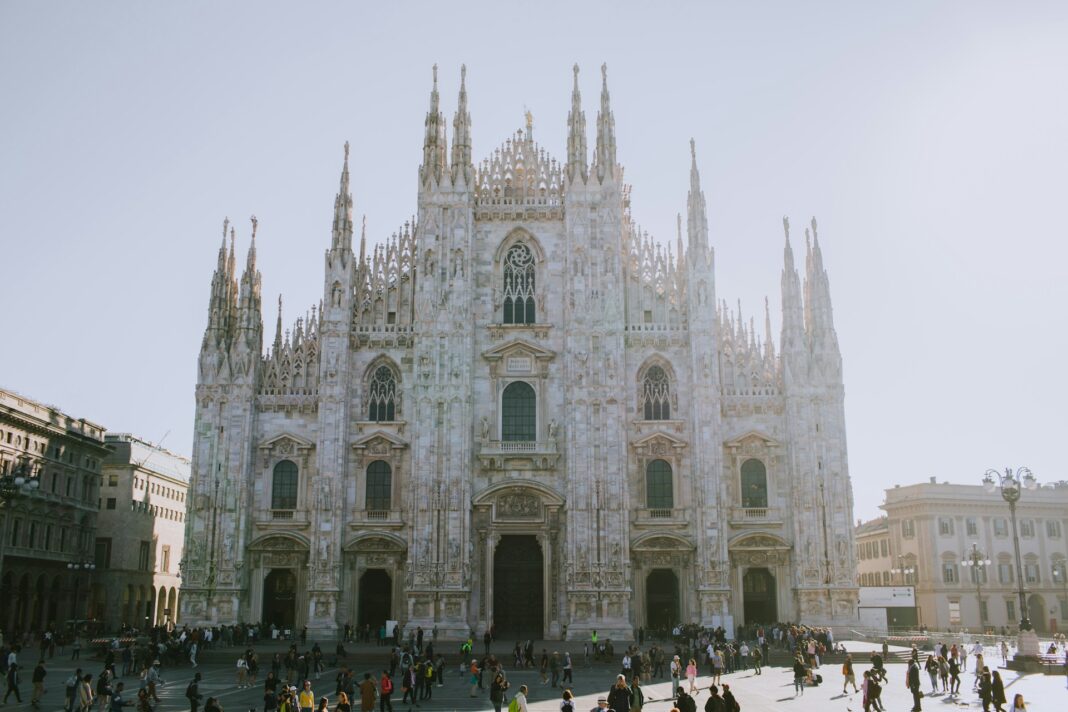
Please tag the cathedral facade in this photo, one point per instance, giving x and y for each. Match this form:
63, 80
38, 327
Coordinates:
520, 411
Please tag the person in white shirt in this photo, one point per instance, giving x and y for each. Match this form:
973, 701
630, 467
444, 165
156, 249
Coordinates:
676, 671
744, 652
521, 698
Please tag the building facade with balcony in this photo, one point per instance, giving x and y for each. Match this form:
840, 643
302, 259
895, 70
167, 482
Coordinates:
930, 528
520, 411
140, 533
47, 532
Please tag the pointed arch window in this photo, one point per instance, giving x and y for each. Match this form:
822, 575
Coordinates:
519, 285
382, 395
655, 400
519, 406
659, 493
754, 484
379, 486
284, 486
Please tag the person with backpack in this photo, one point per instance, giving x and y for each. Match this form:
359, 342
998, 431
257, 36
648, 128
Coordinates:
519, 702
714, 703
568, 702
192, 692
729, 703
428, 680
71, 690
39, 674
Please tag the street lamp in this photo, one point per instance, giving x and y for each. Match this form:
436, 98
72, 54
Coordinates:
902, 569
13, 485
1012, 485
81, 566
975, 562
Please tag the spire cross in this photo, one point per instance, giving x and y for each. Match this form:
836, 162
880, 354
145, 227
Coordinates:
435, 77
255, 223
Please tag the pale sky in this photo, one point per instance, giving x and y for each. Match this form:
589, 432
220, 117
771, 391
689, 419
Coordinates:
929, 139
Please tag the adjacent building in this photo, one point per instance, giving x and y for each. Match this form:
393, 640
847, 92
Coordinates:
141, 529
47, 530
521, 411
927, 536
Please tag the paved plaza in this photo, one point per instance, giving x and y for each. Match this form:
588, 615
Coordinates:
773, 690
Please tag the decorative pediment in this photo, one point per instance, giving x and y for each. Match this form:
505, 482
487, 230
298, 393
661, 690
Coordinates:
377, 542
752, 438
379, 442
277, 541
286, 443
658, 443
758, 542
518, 348
658, 541
520, 491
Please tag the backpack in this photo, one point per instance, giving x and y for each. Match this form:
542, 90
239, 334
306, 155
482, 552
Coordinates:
513, 706
387, 686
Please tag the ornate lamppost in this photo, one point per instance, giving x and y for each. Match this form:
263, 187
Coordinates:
14, 485
903, 569
976, 563
1011, 485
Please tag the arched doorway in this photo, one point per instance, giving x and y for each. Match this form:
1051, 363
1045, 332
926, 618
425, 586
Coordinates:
280, 598
661, 600
376, 595
1036, 611
759, 596
518, 588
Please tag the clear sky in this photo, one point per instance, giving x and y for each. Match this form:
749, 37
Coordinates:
928, 138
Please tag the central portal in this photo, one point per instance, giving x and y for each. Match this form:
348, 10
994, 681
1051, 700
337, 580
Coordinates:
662, 600
280, 598
518, 588
758, 596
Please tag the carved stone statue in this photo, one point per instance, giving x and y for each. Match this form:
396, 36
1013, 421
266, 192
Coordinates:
485, 428
552, 430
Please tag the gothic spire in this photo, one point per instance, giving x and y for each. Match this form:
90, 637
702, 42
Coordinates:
697, 218
278, 329
576, 136
605, 155
341, 238
461, 136
819, 319
217, 302
250, 318
792, 343
434, 144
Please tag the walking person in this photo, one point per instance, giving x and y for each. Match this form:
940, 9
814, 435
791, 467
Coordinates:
85, 693
71, 690
849, 677
799, 676
637, 696
306, 697
13, 683
192, 692
385, 691
567, 668
676, 671
691, 675
368, 693
38, 679
997, 690
619, 695
931, 666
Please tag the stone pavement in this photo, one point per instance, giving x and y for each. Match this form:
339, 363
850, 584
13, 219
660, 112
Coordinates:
773, 690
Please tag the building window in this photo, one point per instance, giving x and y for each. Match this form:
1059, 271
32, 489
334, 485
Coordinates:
755, 485
103, 553
379, 486
949, 572
1027, 527
165, 563
48, 538
519, 413
1031, 573
1010, 609
111, 503
884, 548
945, 526
658, 486
978, 574
519, 285
971, 526
113, 480
655, 400
144, 556
1004, 572
1053, 529
908, 528
954, 612
32, 539
1001, 527
886, 578
382, 396
284, 486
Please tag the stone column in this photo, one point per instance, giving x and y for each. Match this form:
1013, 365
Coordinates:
486, 591
255, 587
